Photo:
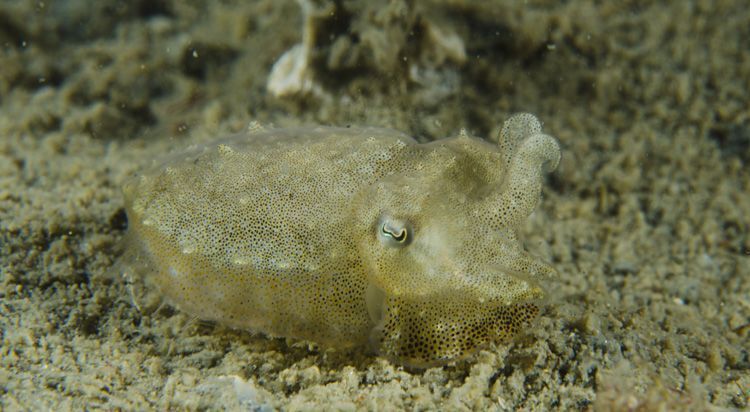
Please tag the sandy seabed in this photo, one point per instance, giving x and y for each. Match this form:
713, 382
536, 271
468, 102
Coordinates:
646, 218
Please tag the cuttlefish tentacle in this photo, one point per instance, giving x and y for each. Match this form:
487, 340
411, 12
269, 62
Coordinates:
529, 155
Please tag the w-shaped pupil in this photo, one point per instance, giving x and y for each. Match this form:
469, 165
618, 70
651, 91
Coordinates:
398, 236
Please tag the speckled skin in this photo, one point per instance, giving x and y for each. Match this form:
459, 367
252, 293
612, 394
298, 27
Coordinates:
350, 236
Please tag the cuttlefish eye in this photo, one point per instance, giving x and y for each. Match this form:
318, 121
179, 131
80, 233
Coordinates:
395, 232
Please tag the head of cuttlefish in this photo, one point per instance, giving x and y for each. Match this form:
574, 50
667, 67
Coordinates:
447, 273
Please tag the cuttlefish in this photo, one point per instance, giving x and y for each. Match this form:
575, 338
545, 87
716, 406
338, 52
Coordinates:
350, 236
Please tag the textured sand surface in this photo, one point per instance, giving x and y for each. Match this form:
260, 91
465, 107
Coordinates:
646, 219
